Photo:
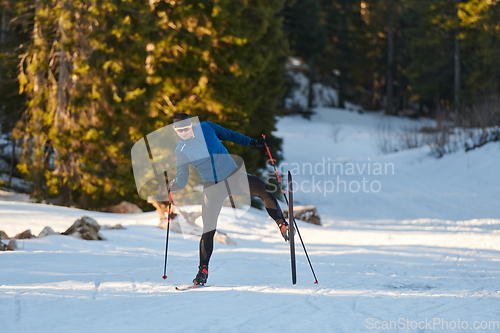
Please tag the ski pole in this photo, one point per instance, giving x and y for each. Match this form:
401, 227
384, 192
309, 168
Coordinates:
294, 222
168, 231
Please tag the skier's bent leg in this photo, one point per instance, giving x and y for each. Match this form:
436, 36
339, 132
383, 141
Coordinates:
260, 189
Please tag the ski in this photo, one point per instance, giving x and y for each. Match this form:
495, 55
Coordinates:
191, 287
291, 230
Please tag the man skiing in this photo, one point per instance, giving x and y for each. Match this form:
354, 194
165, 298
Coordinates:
216, 169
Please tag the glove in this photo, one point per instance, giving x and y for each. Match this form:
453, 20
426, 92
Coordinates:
284, 229
259, 142
173, 186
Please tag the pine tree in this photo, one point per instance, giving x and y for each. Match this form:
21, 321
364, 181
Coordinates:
347, 48
101, 74
222, 62
431, 70
13, 34
389, 108
481, 44
305, 32
36, 79
86, 99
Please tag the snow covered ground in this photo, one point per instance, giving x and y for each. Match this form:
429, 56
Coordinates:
419, 253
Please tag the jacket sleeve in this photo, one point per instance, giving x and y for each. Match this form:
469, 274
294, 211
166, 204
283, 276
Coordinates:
225, 134
182, 162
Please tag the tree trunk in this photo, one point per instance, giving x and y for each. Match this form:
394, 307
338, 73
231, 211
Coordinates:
46, 157
63, 80
376, 90
62, 117
310, 95
4, 26
37, 40
38, 170
12, 162
389, 108
401, 103
458, 115
342, 53
2, 36
438, 111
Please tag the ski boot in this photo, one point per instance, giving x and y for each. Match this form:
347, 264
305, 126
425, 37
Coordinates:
202, 276
283, 225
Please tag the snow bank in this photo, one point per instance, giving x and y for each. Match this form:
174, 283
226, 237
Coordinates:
422, 252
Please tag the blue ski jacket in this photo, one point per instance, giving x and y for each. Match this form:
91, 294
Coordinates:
206, 153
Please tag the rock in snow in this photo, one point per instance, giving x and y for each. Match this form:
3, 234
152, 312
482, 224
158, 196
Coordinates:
25, 235
3, 235
161, 208
47, 231
125, 207
9, 247
85, 228
221, 237
12, 244
305, 213
115, 227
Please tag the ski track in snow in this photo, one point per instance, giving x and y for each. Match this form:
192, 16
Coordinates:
425, 247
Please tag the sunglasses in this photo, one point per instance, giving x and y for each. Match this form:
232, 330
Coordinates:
183, 129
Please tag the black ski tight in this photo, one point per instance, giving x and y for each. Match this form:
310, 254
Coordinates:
212, 204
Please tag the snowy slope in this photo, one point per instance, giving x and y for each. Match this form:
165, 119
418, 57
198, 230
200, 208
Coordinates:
414, 185
421, 255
